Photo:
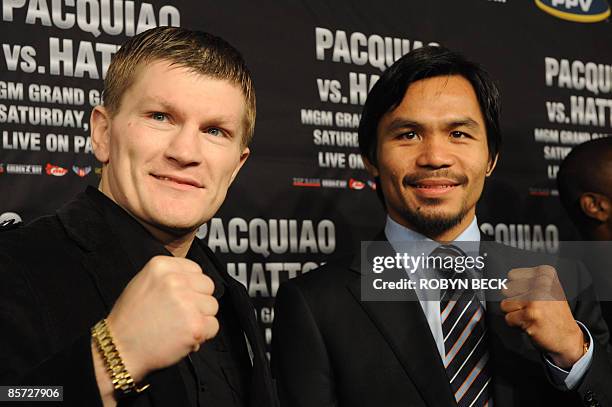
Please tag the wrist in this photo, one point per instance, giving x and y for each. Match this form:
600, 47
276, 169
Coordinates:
578, 347
122, 381
128, 350
103, 379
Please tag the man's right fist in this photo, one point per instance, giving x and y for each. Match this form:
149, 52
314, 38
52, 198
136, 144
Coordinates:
165, 312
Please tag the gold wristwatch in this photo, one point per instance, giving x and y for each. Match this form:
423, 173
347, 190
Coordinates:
122, 380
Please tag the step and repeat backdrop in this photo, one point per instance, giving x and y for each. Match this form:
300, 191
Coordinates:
304, 194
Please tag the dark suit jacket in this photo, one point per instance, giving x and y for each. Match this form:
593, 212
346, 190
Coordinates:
58, 277
332, 349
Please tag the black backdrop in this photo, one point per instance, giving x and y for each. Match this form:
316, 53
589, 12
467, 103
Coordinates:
303, 195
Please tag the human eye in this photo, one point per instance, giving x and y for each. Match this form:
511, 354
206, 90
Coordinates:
158, 116
458, 134
408, 135
215, 131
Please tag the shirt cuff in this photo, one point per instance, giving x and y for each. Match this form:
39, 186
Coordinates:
571, 378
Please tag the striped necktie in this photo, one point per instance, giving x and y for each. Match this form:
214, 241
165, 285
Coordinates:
466, 356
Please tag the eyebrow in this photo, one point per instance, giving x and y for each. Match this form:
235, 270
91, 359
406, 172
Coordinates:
223, 120
399, 123
162, 102
464, 122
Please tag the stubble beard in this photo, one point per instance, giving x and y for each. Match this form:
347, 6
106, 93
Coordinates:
425, 219
429, 222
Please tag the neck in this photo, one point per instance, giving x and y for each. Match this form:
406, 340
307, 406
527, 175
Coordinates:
178, 245
447, 235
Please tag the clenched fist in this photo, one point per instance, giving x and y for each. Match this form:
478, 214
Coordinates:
165, 312
535, 302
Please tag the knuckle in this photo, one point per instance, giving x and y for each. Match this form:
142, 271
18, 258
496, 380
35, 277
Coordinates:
173, 281
547, 270
532, 314
215, 305
548, 278
195, 328
209, 285
213, 326
157, 261
194, 267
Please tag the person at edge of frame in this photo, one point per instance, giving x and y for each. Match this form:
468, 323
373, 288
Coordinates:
584, 181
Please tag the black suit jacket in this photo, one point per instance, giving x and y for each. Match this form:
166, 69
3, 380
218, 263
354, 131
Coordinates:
332, 349
59, 276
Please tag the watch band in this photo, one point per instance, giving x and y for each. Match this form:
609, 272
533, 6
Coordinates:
122, 380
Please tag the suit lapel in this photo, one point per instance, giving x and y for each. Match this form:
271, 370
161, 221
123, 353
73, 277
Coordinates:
111, 270
262, 390
260, 378
406, 330
104, 260
404, 327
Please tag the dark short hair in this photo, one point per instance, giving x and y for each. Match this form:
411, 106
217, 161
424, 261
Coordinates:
422, 63
583, 170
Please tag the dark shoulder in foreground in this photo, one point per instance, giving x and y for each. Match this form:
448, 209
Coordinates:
17, 240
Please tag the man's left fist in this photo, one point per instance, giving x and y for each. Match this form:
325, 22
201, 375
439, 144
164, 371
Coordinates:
535, 302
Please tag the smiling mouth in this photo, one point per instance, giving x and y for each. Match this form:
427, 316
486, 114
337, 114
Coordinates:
183, 182
437, 186
434, 188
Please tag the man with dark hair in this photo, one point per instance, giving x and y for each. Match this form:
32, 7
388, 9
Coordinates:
114, 298
429, 134
585, 188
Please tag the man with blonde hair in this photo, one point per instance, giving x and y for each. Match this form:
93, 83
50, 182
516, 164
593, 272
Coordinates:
113, 297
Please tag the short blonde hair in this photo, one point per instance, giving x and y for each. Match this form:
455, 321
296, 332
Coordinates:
201, 52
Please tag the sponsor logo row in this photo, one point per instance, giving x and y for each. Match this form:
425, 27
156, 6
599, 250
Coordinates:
351, 183
49, 169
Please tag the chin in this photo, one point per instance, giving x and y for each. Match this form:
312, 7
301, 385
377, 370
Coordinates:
170, 222
432, 220
177, 228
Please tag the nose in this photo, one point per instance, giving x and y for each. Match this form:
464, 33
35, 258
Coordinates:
183, 148
435, 152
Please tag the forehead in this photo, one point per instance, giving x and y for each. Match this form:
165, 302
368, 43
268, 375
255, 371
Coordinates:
438, 99
182, 86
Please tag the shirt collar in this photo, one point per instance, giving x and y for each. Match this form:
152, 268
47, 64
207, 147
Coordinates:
139, 245
399, 233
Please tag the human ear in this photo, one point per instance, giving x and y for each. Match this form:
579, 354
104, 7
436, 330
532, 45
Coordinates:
243, 157
492, 164
372, 170
99, 123
595, 206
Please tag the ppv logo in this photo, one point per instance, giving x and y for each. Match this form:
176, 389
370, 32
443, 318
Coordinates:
581, 11
81, 171
55, 170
